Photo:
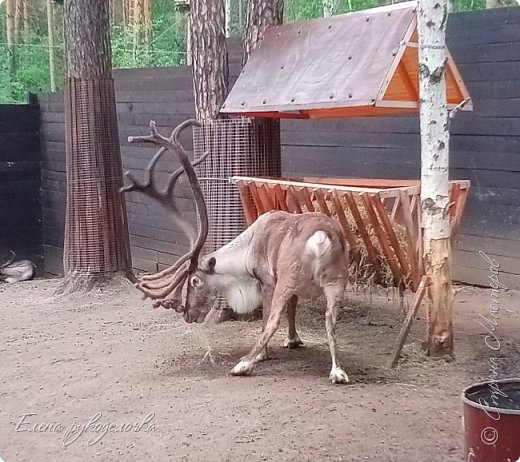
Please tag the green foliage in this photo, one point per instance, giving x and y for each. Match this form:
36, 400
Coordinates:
31, 70
166, 48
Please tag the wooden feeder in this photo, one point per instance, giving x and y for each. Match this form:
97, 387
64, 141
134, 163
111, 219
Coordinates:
352, 65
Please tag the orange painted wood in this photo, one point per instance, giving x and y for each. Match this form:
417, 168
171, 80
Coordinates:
411, 237
382, 238
454, 196
263, 194
292, 201
373, 254
318, 193
307, 199
349, 235
280, 198
247, 204
389, 229
256, 198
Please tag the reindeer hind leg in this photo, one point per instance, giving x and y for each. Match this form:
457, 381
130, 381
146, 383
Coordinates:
334, 295
293, 339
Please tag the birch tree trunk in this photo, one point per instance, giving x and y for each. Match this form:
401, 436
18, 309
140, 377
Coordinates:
493, 4
228, 18
96, 246
209, 57
52, 47
10, 13
432, 18
329, 8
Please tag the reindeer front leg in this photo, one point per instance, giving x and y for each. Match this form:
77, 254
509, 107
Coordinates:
267, 300
245, 366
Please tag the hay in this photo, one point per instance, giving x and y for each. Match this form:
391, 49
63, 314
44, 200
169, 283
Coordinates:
362, 273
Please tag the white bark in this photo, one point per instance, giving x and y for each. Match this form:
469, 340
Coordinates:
432, 17
493, 4
228, 18
329, 8
52, 48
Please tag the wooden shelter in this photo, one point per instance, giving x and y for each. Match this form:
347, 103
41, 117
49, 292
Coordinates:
356, 64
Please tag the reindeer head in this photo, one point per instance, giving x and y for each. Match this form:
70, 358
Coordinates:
200, 292
166, 287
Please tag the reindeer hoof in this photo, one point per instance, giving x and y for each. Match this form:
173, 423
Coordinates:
292, 342
262, 356
338, 375
242, 368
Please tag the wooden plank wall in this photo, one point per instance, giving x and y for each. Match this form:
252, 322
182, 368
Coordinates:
164, 95
485, 149
485, 144
20, 207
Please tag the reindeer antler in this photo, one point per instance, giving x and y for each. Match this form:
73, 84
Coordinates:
166, 286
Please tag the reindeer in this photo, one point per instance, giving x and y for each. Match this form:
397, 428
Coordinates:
16, 271
279, 258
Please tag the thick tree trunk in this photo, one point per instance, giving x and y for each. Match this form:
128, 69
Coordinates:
52, 47
142, 25
96, 231
260, 15
209, 57
432, 18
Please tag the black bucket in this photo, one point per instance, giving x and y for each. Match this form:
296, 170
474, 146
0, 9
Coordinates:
492, 421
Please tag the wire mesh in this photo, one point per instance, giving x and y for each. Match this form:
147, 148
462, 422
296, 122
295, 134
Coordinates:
240, 146
95, 226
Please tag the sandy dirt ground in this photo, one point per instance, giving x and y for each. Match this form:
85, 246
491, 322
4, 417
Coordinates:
103, 376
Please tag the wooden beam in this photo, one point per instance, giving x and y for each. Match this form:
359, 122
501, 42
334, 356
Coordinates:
405, 329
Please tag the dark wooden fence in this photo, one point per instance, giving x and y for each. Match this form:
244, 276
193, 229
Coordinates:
485, 148
20, 206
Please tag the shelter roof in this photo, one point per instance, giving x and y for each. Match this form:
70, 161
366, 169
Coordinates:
357, 64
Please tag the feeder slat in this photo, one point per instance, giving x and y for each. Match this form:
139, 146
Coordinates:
411, 237
381, 236
256, 198
371, 251
280, 198
385, 221
247, 204
318, 193
351, 239
307, 199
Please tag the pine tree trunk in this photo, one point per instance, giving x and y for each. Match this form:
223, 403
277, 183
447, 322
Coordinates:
52, 48
18, 21
142, 26
260, 15
209, 57
10, 12
26, 17
96, 231
432, 16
